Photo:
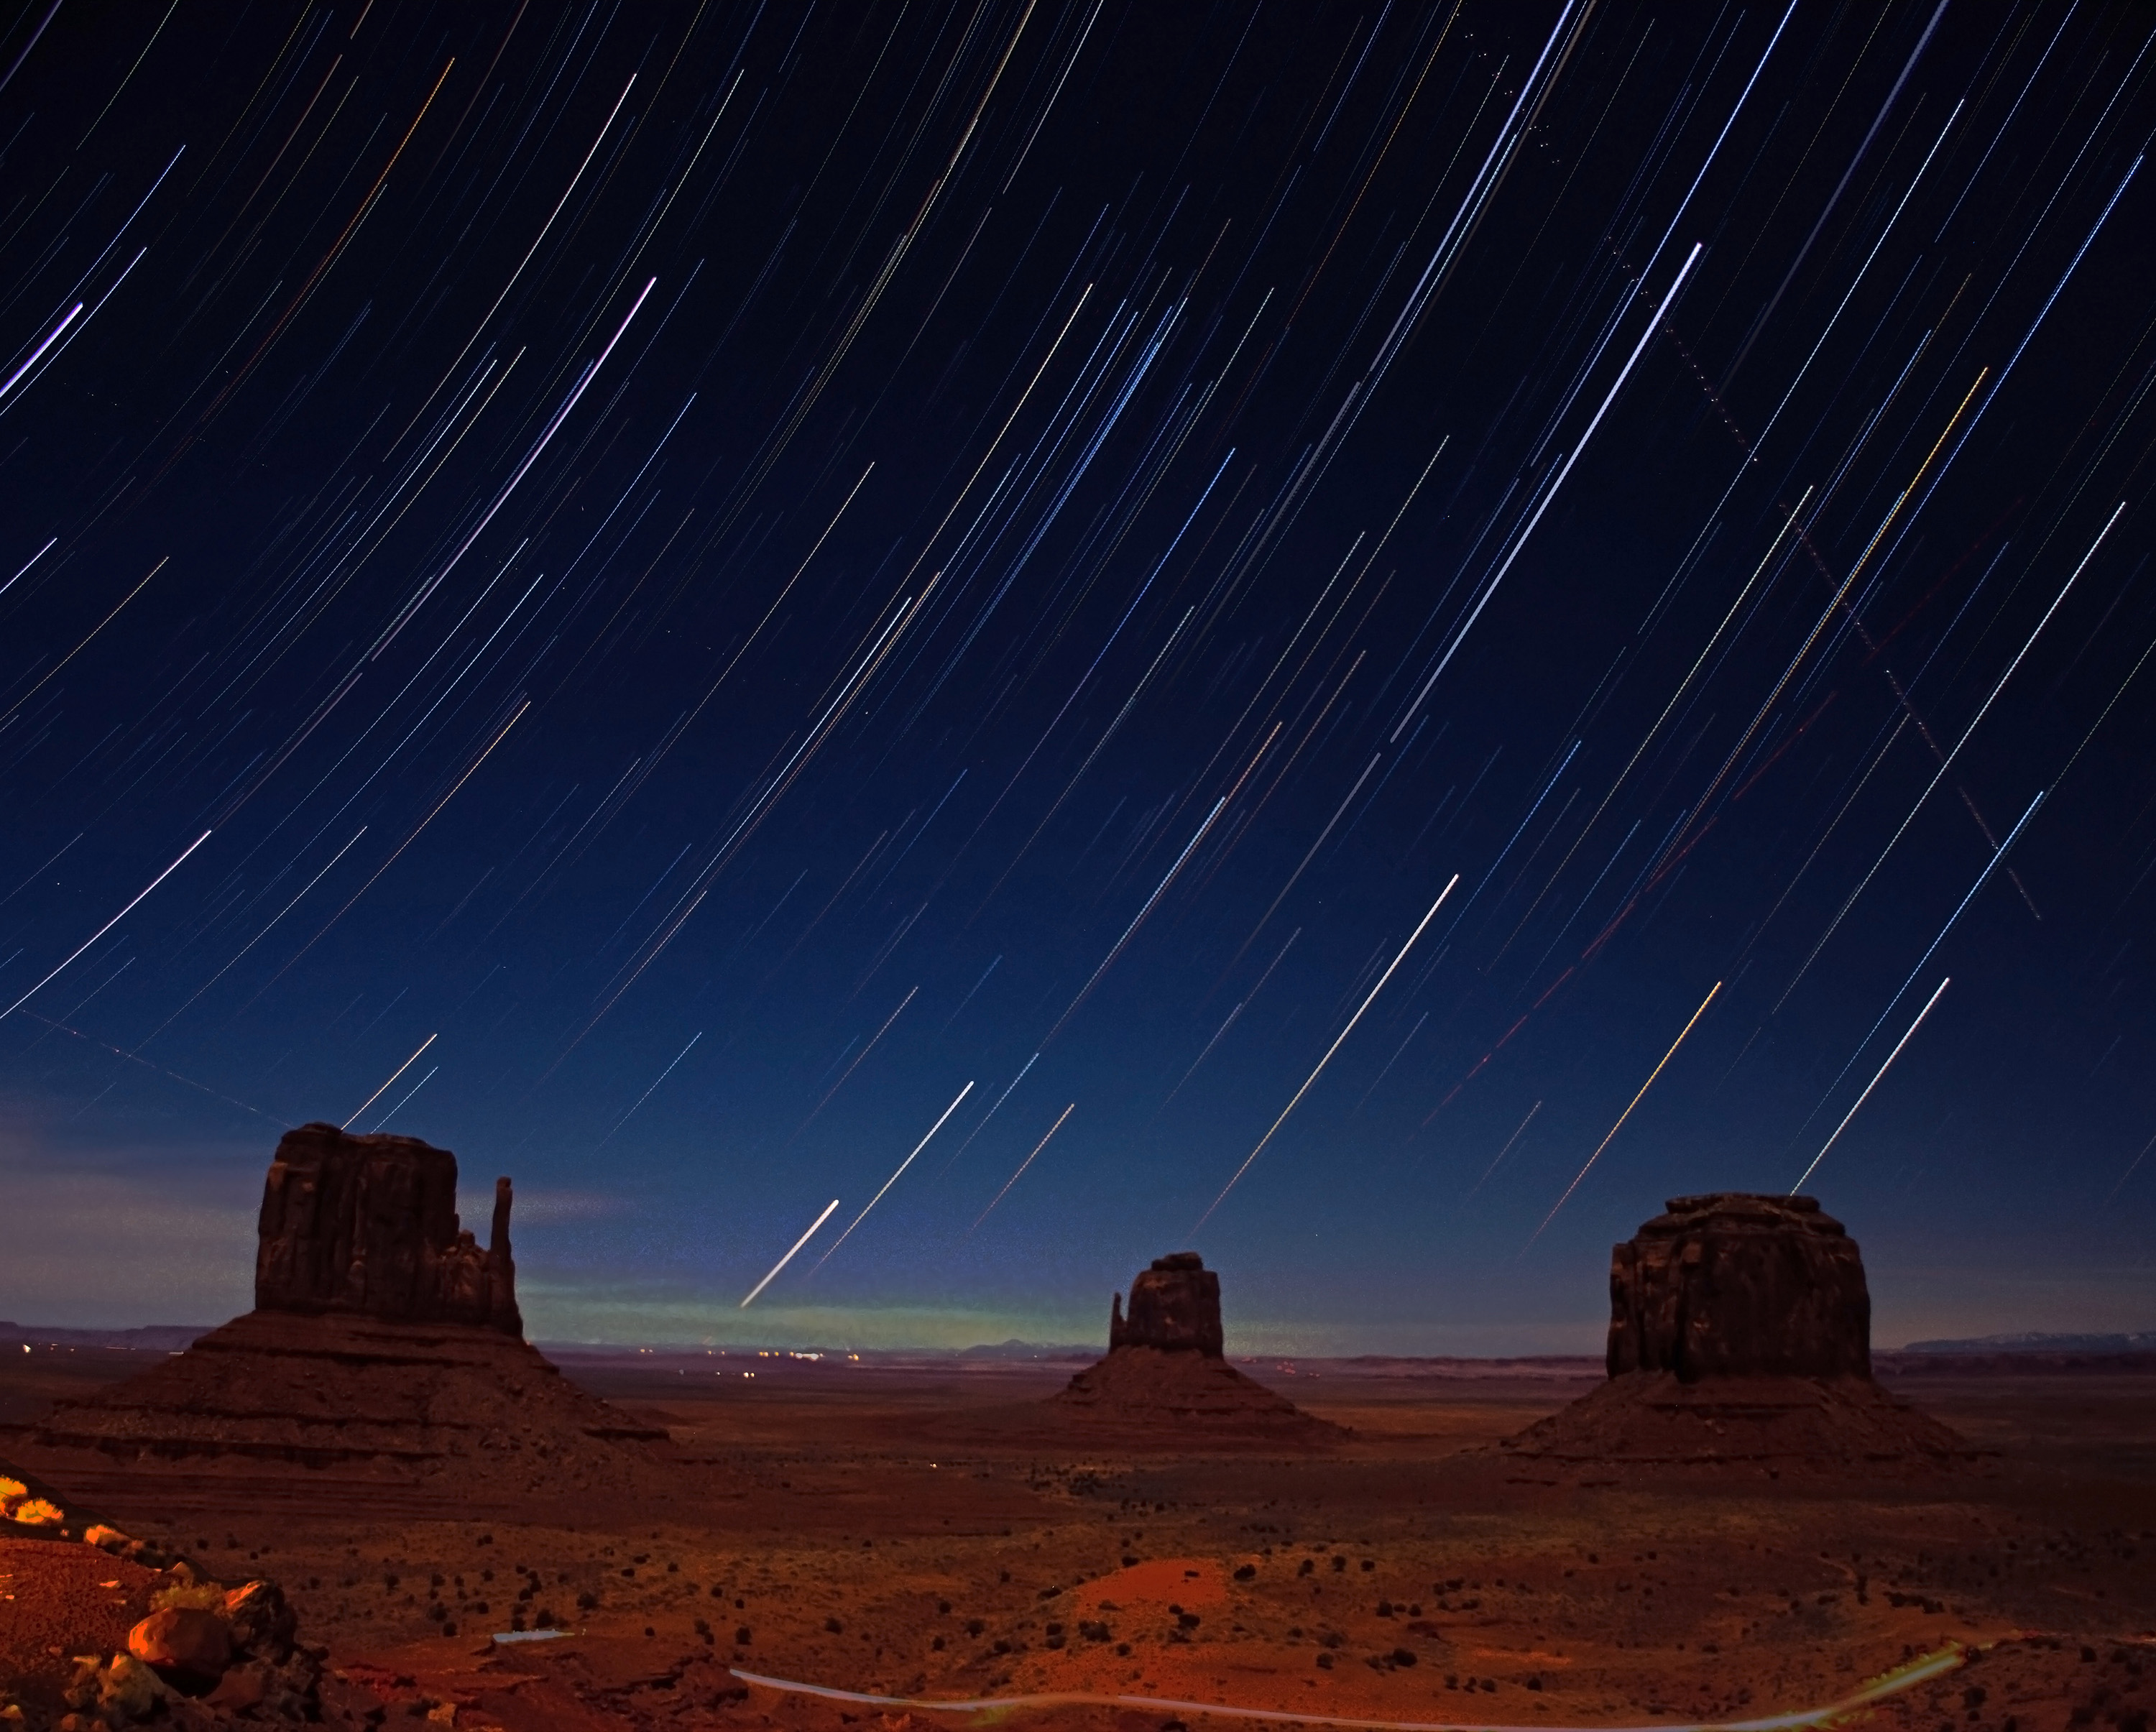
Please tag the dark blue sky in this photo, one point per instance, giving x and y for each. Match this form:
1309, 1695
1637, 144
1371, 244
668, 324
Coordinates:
727, 575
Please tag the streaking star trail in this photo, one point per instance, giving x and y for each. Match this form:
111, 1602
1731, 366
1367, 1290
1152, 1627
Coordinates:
1835, 1136
829, 1208
1306, 1081
734, 565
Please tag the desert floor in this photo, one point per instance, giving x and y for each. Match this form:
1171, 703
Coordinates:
915, 1530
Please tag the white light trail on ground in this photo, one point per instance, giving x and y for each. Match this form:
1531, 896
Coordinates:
1921, 1669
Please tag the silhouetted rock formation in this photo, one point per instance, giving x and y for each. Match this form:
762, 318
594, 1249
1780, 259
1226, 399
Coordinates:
1175, 1306
1733, 1284
382, 1339
1165, 1379
1740, 1333
368, 1225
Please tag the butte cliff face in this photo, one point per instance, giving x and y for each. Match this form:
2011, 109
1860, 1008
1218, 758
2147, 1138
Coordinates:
1175, 1307
1165, 1382
368, 1225
384, 1341
1740, 1334
1734, 1285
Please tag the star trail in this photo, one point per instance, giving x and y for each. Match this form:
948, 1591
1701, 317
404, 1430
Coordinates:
697, 587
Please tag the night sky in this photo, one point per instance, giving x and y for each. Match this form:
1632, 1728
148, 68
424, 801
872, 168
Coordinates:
653, 594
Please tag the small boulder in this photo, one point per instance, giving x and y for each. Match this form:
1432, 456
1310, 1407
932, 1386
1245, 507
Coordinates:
121, 1546
240, 1689
261, 1619
184, 1644
128, 1689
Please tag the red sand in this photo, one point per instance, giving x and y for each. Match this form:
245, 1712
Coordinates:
823, 1539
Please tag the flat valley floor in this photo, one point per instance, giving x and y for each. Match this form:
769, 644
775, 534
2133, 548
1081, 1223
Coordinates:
918, 1531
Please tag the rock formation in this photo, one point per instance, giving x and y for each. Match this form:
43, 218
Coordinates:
1175, 1306
384, 1341
1165, 1378
1740, 1333
185, 1651
368, 1225
1733, 1285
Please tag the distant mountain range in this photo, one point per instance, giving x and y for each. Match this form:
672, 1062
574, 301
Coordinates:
156, 1337
1015, 1348
2145, 1341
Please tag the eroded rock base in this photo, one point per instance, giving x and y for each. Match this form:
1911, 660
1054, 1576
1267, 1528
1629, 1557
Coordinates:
1831, 1425
429, 1400
1202, 1399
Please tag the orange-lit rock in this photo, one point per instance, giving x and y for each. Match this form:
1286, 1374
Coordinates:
183, 1643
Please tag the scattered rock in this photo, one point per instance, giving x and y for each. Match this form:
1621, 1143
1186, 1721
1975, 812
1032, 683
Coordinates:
128, 1689
241, 1688
261, 1619
18, 1503
205, 1652
185, 1646
121, 1546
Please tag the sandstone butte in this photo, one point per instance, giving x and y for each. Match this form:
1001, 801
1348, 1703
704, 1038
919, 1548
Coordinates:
383, 1338
1165, 1375
1740, 1336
